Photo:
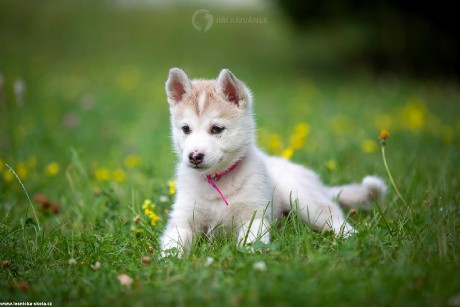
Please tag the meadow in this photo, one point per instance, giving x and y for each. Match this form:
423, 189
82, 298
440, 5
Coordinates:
87, 169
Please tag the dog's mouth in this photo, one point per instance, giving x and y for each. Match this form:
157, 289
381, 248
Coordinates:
198, 166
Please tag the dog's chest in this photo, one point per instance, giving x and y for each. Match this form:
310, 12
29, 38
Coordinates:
244, 193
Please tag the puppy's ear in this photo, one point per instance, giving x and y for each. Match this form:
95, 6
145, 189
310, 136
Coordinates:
231, 88
177, 86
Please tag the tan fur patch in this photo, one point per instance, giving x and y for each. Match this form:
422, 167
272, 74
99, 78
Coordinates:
204, 98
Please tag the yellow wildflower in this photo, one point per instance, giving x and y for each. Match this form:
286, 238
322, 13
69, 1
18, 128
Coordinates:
296, 142
172, 187
52, 169
287, 153
132, 161
301, 131
154, 219
274, 143
118, 175
414, 114
22, 171
369, 146
102, 174
331, 165
8, 176
148, 212
146, 204
148, 208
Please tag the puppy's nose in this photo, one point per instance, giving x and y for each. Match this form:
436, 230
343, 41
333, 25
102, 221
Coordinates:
195, 157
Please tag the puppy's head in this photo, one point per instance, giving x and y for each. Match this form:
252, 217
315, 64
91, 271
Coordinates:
211, 120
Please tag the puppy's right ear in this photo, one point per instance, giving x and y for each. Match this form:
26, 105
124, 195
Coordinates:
177, 86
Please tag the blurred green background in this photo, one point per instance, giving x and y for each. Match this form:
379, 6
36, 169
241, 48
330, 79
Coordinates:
93, 73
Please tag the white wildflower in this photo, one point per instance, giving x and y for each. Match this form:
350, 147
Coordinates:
19, 91
260, 266
208, 261
96, 266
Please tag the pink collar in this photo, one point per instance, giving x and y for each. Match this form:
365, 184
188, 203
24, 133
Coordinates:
217, 176
211, 178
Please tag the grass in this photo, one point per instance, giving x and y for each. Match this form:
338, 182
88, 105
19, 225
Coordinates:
93, 139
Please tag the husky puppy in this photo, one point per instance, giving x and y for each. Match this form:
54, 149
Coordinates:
225, 182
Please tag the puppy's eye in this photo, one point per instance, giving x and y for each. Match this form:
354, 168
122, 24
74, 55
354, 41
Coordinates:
186, 129
217, 129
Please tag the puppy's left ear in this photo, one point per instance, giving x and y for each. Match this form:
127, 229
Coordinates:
232, 89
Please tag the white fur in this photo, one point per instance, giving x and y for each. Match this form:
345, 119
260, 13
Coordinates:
259, 188
202, 101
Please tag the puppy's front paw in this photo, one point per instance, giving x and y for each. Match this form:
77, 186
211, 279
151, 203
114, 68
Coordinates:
177, 252
348, 230
345, 230
175, 242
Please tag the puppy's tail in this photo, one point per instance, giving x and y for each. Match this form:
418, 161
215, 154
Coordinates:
359, 195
